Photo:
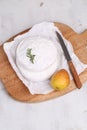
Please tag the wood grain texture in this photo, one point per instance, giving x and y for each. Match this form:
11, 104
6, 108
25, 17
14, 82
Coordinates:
19, 91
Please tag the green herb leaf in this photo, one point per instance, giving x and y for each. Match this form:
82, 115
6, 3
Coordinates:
29, 55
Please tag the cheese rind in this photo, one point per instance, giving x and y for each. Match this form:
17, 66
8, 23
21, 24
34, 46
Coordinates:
46, 58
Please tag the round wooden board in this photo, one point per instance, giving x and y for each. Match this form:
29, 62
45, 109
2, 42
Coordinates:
19, 91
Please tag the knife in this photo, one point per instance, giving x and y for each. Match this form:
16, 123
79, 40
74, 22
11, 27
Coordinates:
69, 61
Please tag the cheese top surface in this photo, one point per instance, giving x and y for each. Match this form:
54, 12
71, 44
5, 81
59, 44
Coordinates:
45, 58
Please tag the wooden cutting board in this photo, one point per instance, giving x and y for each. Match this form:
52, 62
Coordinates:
19, 91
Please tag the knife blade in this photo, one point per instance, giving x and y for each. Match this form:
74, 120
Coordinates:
69, 61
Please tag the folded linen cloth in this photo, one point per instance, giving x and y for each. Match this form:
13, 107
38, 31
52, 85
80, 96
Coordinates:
47, 30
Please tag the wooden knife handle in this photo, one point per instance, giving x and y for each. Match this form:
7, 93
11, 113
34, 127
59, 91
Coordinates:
75, 74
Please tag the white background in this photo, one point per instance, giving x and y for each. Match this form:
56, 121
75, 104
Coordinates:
68, 112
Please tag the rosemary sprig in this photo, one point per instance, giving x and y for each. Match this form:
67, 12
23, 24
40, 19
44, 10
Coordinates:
29, 55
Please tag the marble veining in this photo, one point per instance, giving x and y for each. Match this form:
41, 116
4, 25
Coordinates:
68, 112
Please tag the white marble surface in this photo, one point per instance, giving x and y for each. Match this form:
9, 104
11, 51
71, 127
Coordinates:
68, 112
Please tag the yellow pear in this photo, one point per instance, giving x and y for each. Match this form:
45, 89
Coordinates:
60, 80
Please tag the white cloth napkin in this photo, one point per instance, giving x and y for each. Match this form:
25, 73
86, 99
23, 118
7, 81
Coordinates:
47, 30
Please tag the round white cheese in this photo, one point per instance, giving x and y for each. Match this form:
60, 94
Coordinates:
45, 61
